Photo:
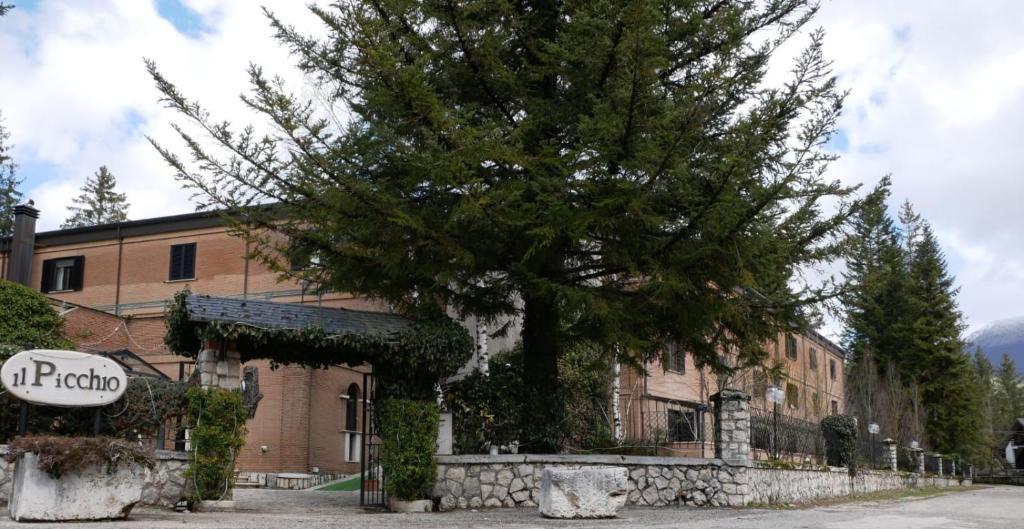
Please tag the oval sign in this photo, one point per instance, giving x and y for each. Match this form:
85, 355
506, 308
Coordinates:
63, 378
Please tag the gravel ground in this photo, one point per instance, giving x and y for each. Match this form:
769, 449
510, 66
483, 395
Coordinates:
995, 507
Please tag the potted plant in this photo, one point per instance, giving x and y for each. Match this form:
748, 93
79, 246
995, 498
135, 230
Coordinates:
408, 432
75, 478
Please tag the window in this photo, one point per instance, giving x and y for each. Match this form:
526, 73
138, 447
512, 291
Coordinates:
62, 275
183, 262
675, 359
816, 402
832, 368
682, 426
835, 407
792, 396
760, 383
351, 407
813, 355
353, 439
791, 346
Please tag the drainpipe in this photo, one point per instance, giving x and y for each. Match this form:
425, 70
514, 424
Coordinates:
23, 243
117, 283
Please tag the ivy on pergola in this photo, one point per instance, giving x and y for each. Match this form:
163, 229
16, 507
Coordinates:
409, 356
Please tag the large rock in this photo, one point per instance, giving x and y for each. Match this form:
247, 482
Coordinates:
90, 494
596, 492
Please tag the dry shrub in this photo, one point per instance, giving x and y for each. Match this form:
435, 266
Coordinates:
61, 455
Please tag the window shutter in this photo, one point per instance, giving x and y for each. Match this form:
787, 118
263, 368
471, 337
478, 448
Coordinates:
189, 261
77, 273
46, 285
172, 272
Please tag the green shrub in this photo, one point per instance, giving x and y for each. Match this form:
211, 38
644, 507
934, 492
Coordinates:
145, 405
27, 319
217, 418
840, 432
408, 433
494, 409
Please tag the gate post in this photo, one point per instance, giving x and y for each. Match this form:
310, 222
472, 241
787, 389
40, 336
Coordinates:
919, 456
219, 365
890, 452
732, 425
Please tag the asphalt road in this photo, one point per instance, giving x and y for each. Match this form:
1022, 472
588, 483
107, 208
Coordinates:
995, 507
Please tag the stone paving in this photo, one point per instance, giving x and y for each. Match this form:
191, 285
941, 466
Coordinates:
995, 507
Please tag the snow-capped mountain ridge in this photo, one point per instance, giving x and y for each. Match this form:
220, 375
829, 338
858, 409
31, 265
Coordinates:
998, 337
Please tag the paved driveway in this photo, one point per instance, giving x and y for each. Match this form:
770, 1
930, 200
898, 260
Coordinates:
996, 507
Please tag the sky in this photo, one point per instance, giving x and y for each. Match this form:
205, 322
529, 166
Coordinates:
936, 101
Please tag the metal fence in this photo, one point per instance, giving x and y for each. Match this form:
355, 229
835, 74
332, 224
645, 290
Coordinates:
667, 427
782, 437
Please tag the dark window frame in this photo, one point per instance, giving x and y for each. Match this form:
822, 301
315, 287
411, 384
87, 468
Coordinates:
812, 356
832, 368
675, 359
352, 407
683, 425
792, 396
182, 263
75, 276
791, 347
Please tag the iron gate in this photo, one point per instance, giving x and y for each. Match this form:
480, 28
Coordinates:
371, 489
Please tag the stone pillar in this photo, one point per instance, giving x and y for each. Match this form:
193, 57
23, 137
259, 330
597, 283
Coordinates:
890, 452
732, 425
919, 455
952, 471
219, 369
939, 458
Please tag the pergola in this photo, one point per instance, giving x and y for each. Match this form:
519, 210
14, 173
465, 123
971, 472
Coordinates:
409, 355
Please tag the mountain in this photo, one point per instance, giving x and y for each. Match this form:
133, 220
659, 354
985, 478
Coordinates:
1002, 336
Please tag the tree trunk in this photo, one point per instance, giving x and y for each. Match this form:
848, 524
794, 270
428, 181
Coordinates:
540, 374
616, 391
483, 357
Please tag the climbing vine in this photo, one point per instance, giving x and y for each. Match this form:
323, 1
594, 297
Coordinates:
840, 432
408, 364
217, 419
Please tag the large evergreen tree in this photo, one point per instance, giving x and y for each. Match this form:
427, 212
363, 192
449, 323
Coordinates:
9, 194
903, 326
604, 171
1010, 393
98, 203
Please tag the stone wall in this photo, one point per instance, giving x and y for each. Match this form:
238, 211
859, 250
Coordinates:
284, 480
477, 481
514, 480
771, 486
165, 484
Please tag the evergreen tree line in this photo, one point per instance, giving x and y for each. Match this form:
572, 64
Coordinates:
1002, 399
908, 367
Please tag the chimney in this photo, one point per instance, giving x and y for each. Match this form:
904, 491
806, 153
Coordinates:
23, 243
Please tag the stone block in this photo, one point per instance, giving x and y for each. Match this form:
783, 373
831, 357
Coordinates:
595, 492
90, 494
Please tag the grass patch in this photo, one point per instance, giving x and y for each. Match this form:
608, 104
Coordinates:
880, 496
348, 485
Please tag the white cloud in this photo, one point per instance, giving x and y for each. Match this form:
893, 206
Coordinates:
76, 94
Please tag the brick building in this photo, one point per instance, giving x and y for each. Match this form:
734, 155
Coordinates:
111, 283
669, 405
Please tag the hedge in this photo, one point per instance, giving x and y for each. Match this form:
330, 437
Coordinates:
408, 433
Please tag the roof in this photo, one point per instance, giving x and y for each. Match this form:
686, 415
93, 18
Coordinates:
270, 315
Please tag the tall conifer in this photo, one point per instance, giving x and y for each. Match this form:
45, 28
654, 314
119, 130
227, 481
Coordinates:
614, 173
9, 194
98, 203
